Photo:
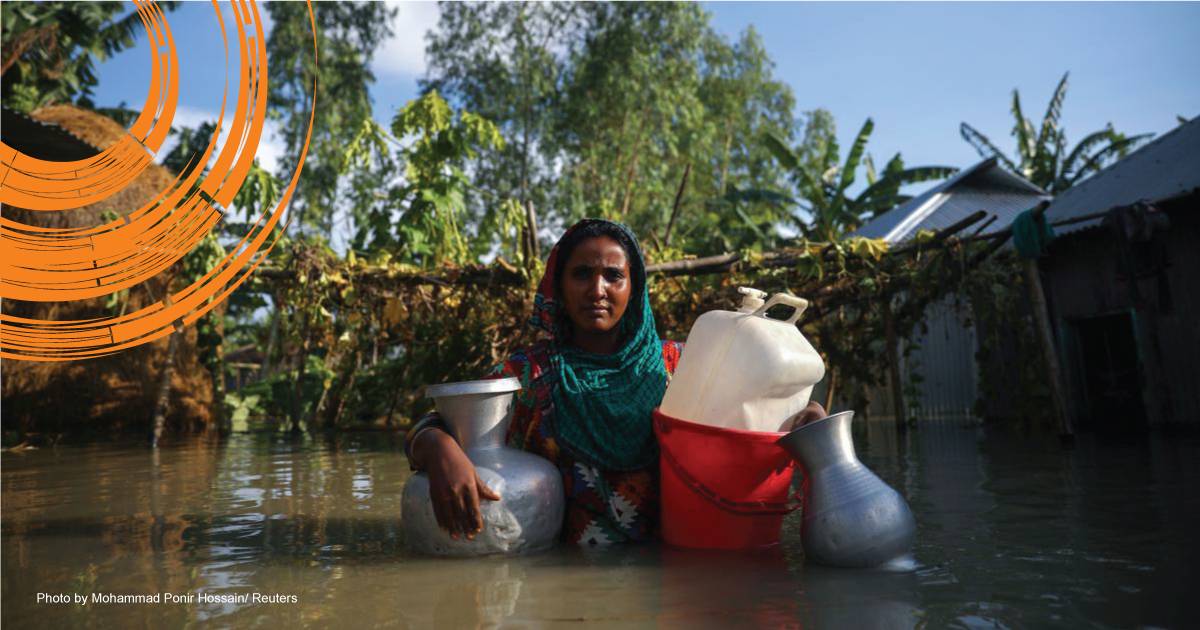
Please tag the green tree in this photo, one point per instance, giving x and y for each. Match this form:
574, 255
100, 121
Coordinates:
49, 49
420, 218
821, 182
632, 110
652, 93
1042, 155
742, 100
348, 34
606, 106
505, 62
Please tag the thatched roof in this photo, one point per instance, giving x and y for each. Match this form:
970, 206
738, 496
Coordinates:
66, 130
117, 391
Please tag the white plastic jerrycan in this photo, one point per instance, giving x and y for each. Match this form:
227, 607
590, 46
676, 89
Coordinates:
743, 370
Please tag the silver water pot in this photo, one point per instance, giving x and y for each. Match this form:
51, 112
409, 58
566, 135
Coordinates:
851, 517
529, 515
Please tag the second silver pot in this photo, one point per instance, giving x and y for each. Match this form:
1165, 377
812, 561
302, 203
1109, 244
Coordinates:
851, 517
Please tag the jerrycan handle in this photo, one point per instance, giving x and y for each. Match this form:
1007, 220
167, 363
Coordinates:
782, 298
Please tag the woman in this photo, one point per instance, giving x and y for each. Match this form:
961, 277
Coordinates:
585, 399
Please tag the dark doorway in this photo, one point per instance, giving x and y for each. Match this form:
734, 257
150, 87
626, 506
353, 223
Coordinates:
1109, 373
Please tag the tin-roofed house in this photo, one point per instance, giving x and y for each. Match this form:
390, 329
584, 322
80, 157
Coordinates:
1123, 287
944, 348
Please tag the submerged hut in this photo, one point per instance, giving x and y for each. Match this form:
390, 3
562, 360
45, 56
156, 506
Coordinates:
945, 346
1123, 290
109, 393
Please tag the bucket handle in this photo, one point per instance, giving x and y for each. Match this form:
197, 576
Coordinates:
782, 298
744, 508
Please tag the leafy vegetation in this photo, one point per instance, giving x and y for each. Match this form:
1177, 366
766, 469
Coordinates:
50, 48
823, 185
1042, 155
532, 116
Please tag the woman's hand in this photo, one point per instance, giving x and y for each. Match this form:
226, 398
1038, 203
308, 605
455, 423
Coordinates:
454, 485
813, 412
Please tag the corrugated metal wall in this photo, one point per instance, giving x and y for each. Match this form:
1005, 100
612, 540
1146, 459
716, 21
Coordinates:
945, 359
1081, 282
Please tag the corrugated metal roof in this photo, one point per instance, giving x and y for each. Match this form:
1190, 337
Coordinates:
1167, 167
985, 186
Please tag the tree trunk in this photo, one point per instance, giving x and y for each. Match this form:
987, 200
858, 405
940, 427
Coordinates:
678, 203
298, 392
632, 173
164, 388
532, 226
264, 371
331, 359
345, 389
725, 162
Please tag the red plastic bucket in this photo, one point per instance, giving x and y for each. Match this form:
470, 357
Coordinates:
722, 488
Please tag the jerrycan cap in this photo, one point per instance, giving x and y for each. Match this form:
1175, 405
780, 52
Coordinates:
753, 299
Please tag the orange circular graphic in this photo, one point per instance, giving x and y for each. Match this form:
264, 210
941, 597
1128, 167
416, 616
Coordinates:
52, 264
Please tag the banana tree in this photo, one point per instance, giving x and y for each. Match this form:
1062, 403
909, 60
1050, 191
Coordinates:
1042, 155
822, 185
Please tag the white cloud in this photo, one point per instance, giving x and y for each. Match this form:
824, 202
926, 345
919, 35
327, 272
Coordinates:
404, 53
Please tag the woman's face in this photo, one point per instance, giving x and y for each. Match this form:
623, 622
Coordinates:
596, 286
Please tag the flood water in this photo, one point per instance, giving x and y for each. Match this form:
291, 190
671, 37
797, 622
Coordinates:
1014, 532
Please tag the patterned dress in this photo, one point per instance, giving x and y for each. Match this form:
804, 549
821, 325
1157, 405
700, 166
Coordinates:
602, 507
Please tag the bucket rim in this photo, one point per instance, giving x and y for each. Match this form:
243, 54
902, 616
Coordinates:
756, 436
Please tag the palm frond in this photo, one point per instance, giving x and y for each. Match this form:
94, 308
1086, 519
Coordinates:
1097, 161
855, 157
1053, 112
759, 195
830, 159
812, 190
882, 188
872, 177
1022, 131
924, 174
779, 148
762, 237
983, 146
1084, 148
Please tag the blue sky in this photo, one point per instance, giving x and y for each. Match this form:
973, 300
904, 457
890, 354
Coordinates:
918, 69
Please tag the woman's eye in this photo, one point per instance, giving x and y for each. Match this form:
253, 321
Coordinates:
614, 276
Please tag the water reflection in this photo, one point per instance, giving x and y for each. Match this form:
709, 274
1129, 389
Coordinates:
1014, 531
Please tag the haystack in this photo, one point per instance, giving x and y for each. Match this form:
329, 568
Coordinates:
114, 393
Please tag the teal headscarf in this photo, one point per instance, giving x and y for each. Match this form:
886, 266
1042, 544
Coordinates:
602, 402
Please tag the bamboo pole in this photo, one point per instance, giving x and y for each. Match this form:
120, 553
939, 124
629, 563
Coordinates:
1041, 313
893, 359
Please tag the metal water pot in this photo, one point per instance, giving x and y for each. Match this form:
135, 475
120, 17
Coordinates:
529, 515
851, 517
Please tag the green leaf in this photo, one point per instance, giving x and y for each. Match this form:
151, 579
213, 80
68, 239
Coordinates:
1053, 112
984, 146
856, 153
787, 158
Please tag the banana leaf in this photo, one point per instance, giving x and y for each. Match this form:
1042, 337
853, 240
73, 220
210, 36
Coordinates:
984, 147
855, 157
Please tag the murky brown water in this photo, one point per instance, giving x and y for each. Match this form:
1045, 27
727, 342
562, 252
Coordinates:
1014, 532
